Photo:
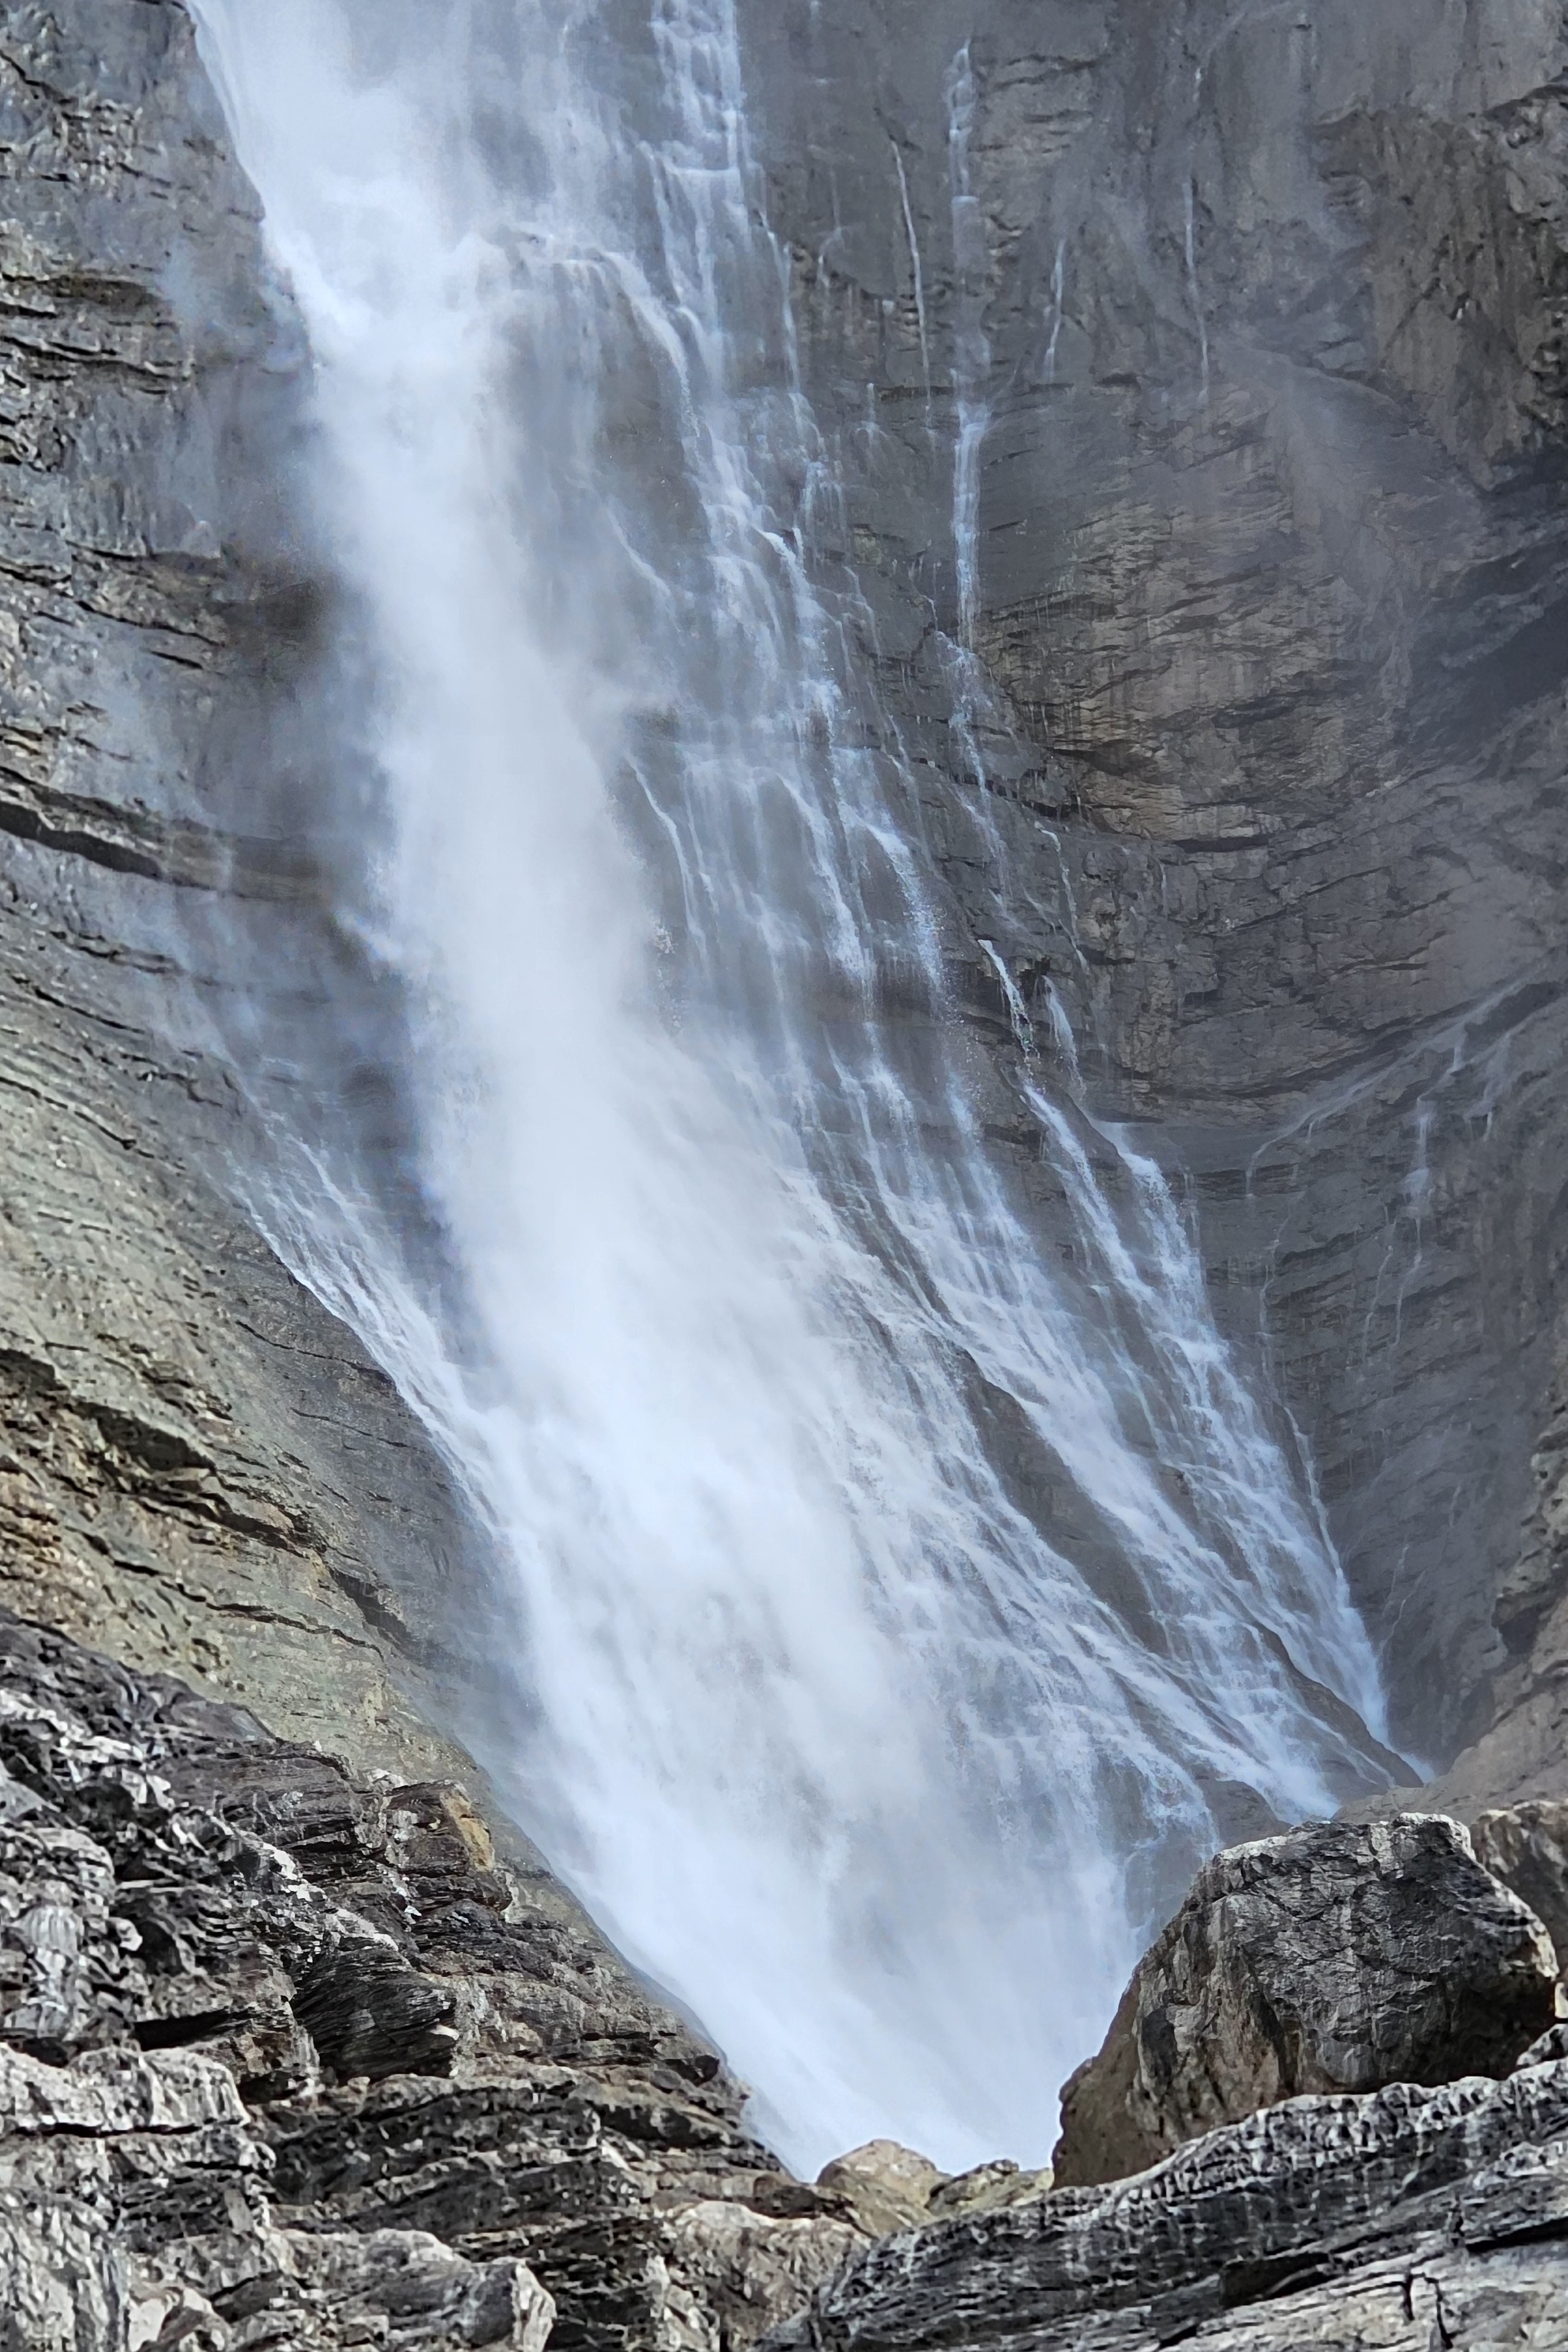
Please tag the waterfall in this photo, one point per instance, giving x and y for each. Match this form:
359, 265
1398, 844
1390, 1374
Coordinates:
886, 1607
971, 344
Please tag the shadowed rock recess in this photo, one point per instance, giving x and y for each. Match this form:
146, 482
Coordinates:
1253, 320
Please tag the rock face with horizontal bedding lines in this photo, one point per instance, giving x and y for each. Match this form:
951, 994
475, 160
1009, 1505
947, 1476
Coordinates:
291, 2057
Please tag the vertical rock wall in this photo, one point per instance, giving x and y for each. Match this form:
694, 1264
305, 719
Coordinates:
198, 1468
1262, 308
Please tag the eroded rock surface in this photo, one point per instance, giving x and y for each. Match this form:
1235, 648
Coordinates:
199, 1469
886, 2187
133, 2211
277, 2040
1527, 1847
1339, 1957
1405, 2220
1258, 313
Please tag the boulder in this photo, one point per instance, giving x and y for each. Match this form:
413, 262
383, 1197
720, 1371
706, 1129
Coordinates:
744, 2272
884, 2185
883, 2188
1341, 1957
1527, 1847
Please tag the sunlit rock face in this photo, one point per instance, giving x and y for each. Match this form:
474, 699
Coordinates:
1203, 370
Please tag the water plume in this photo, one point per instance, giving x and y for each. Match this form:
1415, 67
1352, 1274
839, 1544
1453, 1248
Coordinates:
883, 1609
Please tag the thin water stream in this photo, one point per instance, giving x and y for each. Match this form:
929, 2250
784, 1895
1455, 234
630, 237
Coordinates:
887, 1608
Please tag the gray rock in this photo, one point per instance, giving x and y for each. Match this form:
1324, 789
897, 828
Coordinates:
1527, 1847
1339, 1957
459, 2115
1404, 2220
133, 2211
1273, 569
887, 2188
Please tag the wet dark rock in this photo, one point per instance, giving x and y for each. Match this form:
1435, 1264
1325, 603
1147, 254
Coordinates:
1336, 1958
1270, 577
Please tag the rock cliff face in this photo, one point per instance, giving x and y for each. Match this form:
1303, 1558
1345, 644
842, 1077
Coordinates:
1338, 1958
1252, 322
1260, 755
1248, 590
197, 1465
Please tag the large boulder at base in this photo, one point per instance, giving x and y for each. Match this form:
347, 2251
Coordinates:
1527, 1848
1341, 1957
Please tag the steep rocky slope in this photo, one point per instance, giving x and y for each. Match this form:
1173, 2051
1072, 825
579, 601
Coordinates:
1408, 2221
199, 1465
289, 2058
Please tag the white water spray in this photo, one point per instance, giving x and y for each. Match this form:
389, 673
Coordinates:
756, 1379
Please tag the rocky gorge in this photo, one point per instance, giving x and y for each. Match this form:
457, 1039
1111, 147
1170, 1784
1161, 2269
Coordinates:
1262, 659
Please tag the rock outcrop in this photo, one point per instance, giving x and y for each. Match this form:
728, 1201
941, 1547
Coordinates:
1337, 1958
888, 2187
1406, 2220
281, 2046
133, 2211
291, 2058
199, 1468
1527, 1847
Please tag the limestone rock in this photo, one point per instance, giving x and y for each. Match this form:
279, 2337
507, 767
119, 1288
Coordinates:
1404, 2220
750, 2271
133, 2211
1527, 1847
884, 2186
1270, 571
276, 2039
1339, 1957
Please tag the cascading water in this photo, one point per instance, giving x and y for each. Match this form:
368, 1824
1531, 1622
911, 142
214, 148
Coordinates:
748, 1362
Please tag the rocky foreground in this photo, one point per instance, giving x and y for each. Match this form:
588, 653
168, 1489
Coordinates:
290, 2059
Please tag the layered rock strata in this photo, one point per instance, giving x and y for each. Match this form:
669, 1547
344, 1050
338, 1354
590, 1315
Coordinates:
1406, 2220
1203, 367
198, 1467
288, 2057
1339, 1958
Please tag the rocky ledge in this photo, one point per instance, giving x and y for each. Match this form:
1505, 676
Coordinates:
1422, 2207
291, 2058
